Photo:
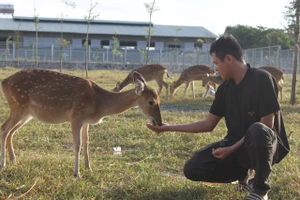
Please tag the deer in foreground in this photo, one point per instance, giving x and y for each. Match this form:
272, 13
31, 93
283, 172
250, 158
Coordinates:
149, 72
188, 76
53, 97
278, 75
210, 80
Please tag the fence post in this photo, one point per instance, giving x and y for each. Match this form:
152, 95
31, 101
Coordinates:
70, 52
52, 53
183, 59
252, 62
89, 53
262, 58
14, 48
278, 56
160, 55
107, 55
33, 53
125, 56
25, 55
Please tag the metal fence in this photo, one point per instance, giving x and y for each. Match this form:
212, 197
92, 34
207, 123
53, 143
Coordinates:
175, 59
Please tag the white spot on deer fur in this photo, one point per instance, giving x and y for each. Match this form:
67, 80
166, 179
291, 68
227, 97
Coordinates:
19, 89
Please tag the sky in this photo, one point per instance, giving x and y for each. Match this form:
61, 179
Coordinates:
213, 15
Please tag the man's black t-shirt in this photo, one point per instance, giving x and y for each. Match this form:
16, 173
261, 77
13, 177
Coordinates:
246, 103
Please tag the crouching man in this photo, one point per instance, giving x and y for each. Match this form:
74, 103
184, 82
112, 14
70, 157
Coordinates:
256, 137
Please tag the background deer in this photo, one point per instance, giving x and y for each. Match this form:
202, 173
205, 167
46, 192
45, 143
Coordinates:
188, 76
210, 80
278, 75
53, 97
149, 72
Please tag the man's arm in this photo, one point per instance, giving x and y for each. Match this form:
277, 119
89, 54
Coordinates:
205, 125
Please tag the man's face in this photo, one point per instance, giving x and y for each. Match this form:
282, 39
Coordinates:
223, 67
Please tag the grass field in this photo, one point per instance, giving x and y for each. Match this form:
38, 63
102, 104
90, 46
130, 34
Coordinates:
150, 166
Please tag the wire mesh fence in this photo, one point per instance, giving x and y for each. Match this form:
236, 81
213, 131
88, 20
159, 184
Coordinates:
174, 59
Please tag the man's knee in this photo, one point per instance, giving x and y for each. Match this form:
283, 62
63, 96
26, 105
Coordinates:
258, 130
259, 134
188, 170
199, 172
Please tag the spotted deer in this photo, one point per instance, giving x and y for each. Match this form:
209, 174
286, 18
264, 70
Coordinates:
277, 73
149, 72
188, 76
53, 97
210, 80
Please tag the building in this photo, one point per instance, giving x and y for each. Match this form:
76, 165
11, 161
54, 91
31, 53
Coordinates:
130, 35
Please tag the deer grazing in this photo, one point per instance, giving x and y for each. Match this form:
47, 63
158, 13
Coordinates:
278, 75
149, 72
53, 97
188, 76
210, 80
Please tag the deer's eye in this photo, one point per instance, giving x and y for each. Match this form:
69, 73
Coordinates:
151, 103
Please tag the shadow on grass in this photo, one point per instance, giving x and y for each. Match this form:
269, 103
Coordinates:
199, 193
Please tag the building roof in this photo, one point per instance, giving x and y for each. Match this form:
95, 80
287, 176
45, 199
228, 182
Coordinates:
104, 27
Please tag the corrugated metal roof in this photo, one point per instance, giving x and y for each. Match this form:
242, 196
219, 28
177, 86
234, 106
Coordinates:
104, 27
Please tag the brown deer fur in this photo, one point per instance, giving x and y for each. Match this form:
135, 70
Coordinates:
149, 72
53, 97
188, 76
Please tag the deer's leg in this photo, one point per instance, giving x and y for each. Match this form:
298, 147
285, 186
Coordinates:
159, 87
214, 85
185, 89
166, 86
11, 125
77, 131
207, 89
193, 91
85, 141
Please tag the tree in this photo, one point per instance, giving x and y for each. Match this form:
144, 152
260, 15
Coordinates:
292, 16
176, 46
17, 43
150, 8
89, 18
8, 42
62, 42
255, 37
36, 22
115, 47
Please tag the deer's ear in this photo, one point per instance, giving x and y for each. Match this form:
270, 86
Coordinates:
139, 83
139, 87
207, 75
138, 76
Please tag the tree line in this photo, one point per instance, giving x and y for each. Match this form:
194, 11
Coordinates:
255, 37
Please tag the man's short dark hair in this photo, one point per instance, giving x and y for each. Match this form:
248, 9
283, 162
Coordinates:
227, 44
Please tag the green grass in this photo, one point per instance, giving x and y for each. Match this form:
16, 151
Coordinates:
150, 167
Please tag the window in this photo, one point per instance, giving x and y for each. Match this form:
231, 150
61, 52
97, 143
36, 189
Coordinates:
128, 43
177, 46
198, 45
83, 41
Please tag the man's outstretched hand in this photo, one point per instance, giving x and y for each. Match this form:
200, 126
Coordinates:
157, 129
